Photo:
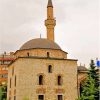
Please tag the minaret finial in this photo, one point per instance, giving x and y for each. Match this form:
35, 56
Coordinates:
40, 35
50, 3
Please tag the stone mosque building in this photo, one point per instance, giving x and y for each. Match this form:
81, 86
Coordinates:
42, 70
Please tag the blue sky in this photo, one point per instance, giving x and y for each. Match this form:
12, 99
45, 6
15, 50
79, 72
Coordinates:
77, 29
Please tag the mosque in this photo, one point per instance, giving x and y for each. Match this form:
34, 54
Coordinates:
42, 70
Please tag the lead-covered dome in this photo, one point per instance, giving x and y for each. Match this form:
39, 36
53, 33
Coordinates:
40, 43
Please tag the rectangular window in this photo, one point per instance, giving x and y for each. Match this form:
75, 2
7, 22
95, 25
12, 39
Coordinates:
60, 97
0, 76
10, 82
9, 98
0, 62
5, 76
13, 71
15, 81
14, 97
41, 97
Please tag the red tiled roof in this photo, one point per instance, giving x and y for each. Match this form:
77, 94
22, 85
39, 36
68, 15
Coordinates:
3, 79
7, 59
3, 72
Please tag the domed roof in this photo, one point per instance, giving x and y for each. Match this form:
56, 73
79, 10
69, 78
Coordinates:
40, 43
82, 68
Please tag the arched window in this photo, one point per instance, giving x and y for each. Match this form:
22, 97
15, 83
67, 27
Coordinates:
59, 80
50, 69
48, 54
28, 54
41, 80
14, 97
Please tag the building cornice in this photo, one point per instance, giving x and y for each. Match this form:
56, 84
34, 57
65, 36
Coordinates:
40, 48
48, 58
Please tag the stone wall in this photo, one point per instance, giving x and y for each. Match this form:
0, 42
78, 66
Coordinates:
42, 53
27, 71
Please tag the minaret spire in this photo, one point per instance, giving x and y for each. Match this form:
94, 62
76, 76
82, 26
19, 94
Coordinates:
50, 22
49, 3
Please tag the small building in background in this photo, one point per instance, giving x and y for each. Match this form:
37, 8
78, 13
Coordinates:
5, 60
82, 75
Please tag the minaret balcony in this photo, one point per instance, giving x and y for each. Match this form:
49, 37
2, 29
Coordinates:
50, 22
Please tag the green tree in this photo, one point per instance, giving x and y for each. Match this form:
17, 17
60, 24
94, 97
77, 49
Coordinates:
3, 92
94, 73
90, 89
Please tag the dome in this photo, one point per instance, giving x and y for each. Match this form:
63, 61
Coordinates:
82, 68
40, 43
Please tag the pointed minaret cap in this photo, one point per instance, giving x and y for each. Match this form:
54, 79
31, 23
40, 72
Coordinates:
49, 3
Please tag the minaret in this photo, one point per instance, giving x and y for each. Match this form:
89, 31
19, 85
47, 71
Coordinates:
50, 22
